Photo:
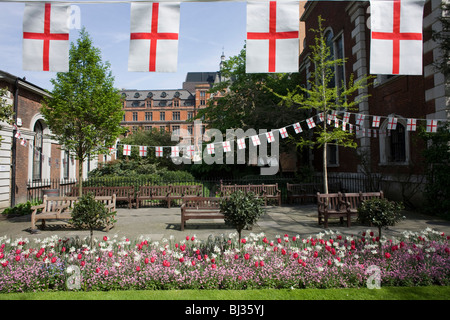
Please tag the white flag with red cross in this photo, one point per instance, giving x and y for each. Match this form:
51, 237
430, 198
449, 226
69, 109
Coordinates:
396, 37
127, 150
154, 29
159, 152
432, 125
175, 151
226, 146
311, 123
210, 148
241, 143
272, 36
46, 37
283, 132
143, 151
411, 124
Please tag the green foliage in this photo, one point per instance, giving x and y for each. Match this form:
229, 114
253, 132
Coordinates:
241, 210
6, 110
380, 213
21, 208
91, 214
442, 37
85, 110
437, 158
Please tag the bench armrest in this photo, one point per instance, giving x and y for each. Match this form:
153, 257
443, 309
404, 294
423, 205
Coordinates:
40, 206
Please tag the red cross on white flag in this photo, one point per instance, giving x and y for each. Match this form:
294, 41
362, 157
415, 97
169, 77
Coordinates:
321, 117
272, 36
270, 137
154, 29
310, 123
159, 151
256, 141
283, 133
46, 37
376, 121
226, 146
344, 126
411, 124
210, 148
346, 118
190, 150
241, 143
359, 119
396, 42
126, 150
431, 125
298, 127
175, 151
392, 123
143, 151
111, 150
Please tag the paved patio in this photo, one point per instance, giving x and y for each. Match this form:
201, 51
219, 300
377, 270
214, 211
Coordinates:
157, 223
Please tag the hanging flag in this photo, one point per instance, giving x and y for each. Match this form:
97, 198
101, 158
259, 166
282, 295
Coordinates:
283, 132
396, 37
210, 148
226, 146
127, 150
111, 150
360, 119
431, 125
272, 36
346, 118
45, 44
159, 151
143, 151
256, 141
241, 143
411, 124
298, 127
190, 151
344, 125
321, 116
175, 151
375, 121
23, 142
310, 123
392, 123
154, 29
270, 137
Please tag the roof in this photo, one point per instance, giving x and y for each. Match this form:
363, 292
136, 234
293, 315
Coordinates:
170, 94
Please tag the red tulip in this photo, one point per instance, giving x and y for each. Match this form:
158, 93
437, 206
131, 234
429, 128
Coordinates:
138, 268
387, 255
247, 256
193, 262
105, 238
261, 263
146, 260
152, 259
17, 258
82, 263
53, 259
213, 266
316, 254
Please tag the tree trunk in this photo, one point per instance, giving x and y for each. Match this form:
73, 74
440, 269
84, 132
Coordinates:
325, 171
80, 177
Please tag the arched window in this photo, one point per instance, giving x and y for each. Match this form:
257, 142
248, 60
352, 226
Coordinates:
37, 152
394, 144
397, 143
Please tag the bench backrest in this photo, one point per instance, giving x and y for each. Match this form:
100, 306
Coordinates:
97, 191
120, 192
271, 189
201, 203
193, 190
51, 203
370, 195
159, 191
332, 200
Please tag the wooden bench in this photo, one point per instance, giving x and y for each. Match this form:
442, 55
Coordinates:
302, 191
60, 208
125, 193
341, 205
265, 191
168, 193
200, 208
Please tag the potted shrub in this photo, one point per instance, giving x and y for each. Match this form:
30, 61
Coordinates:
380, 213
241, 210
91, 214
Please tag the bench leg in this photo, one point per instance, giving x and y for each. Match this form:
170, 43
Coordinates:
325, 221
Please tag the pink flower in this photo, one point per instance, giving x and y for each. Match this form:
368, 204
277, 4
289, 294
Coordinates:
236, 257
181, 259
193, 238
82, 263
243, 241
4, 264
97, 270
213, 266
152, 259
110, 254
106, 272
329, 262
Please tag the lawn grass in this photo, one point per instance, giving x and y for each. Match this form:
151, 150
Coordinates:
385, 293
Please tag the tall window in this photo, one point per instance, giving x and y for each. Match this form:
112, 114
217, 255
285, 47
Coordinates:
190, 115
339, 54
37, 154
394, 144
162, 116
176, 115
397, 145
135, 116
176, 103
148, 116
66, 163
329, 42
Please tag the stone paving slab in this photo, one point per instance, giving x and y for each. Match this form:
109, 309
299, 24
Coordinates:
157, 223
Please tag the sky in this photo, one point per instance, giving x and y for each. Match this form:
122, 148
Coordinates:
206, 30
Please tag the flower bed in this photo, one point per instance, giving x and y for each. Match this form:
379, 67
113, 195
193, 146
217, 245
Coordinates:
327, 260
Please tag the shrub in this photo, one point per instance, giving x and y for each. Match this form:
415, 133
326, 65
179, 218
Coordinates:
241, 210
380, 213
88, 212
21, 208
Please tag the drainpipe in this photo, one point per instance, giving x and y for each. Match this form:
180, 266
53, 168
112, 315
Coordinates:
14, 145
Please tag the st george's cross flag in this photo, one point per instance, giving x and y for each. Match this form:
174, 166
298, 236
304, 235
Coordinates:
396, 37
154, 29
127, 150
143, 151
272, 36
45, 44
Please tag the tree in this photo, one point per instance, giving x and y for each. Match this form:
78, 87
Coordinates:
85, 110
6, 110
442, 37
326, 98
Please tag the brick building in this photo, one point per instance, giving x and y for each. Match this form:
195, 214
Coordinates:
170, 109
35, 156
396, 154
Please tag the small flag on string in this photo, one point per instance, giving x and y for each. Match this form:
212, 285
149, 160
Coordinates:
241, 143
392, 123
226, 146
143, 151
175, 151
321, 116
411, 125
283, 133
346, 118
431, 125
298, 127
270, 137
256, 141
359, 119
190, 150
159, 151
112, 150
344, 125
23, 142
210, 148
311, 123
376, 121
127, 150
